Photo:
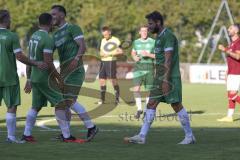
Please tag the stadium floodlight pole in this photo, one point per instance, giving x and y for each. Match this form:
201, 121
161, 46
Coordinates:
223, 3
223, 30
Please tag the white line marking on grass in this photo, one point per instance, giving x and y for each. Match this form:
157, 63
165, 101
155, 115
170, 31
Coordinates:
42, 125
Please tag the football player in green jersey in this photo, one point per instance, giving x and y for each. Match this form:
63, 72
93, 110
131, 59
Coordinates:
142, 54
69, 41
167, 81
41, 47
10, 50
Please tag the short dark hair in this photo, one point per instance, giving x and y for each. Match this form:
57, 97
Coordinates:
238, 26
106, 28
155, 16
45, 19
60, 8
4, 15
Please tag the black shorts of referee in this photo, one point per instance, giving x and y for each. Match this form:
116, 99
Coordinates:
108, 70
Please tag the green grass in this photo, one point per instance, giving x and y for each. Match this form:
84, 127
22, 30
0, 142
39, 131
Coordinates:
215, 140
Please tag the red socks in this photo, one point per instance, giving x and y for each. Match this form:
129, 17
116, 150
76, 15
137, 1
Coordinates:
232, 99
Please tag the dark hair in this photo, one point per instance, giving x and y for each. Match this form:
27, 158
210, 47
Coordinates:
238, 26
106, 28
45, 19
155, 16
60, 8
4, 15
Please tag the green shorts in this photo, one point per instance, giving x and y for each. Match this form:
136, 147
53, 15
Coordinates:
175, 94
143, 75
41, 93
73, 83
10, 95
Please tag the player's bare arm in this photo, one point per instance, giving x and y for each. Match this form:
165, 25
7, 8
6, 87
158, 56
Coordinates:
134, 56
82, 48
167, 70
48, 59
22, 58
235, 55
28, 85
102, 54
148, 54
119, 51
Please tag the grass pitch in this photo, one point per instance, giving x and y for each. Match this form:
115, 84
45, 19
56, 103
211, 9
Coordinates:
205, 103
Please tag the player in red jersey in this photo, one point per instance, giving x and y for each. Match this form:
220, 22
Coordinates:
233, 73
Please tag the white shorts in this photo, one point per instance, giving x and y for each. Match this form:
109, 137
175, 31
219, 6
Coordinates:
233, 82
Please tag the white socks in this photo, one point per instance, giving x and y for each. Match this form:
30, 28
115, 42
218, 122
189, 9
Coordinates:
11, 125
184, 119
80, 110
147, 99
63, 122
30, 121
145, 107
150, 115
138, 103
138, 100
148, 119
230, 112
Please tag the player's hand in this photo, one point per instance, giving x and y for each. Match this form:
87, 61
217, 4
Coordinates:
221, 47
42, 65
28, 87
136, 58
165, 87
145, 54
105, 55
119, 51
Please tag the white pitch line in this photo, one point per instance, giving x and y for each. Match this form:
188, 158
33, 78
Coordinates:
42, 125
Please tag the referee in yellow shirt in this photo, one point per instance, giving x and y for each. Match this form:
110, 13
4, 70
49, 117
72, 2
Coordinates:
109, 49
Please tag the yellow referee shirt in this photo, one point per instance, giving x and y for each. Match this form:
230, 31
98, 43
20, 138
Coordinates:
109, 47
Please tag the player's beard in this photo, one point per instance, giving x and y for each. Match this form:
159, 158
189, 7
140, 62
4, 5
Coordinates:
56, 22
155, 30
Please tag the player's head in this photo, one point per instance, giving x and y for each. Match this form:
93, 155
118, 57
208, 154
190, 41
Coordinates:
5, 19
106, 32
155, 21
234, 30
58, 13
45, 20
143, 31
